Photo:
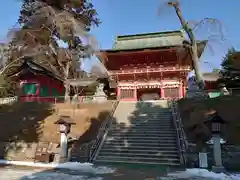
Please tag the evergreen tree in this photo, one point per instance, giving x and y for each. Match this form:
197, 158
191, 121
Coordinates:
231, 68
43, 23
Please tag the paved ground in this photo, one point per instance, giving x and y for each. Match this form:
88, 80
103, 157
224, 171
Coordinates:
23, 173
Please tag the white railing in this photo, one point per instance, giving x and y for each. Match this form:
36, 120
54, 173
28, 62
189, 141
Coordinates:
53, 99
8, 100
181, 136
150, 70
102, 133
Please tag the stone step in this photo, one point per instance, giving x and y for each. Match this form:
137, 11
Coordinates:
149, 118
142, 133
145, 121
128, 125
137, 162
155, 155
151, 114
133, 144
133, 138
134, 148
142, 141
140, 125
142, 136
165, 151
165, 161
121, 125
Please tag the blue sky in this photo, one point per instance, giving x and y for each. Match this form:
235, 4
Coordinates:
120, 17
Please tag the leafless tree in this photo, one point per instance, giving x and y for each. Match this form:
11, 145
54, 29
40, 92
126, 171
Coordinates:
189, 28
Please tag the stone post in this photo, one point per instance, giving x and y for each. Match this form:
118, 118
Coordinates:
63, 146
217, 154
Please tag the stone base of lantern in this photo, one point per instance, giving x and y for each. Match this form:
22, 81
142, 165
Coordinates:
218, 169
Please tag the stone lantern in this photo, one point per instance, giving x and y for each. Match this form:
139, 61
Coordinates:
215, 123
65, 123
223, 89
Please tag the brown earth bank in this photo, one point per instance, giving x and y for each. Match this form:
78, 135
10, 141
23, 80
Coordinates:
194, 112
34, 122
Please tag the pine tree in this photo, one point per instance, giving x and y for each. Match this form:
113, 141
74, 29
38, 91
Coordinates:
231, 68
43, 23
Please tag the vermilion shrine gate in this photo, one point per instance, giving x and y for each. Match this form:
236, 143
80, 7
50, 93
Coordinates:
149, 63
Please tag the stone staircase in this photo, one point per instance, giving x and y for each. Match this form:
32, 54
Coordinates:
141, 132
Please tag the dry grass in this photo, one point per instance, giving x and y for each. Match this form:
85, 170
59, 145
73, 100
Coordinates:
195, 112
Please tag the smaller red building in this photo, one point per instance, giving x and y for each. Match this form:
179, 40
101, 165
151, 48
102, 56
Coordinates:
38, 83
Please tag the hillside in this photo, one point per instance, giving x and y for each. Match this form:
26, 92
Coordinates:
194, 112
34, 122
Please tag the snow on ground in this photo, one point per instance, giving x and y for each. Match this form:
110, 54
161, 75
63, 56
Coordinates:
10, 174
200, 174
36, 174
86, 171
83, 167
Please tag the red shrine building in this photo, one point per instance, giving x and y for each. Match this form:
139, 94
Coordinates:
152, 63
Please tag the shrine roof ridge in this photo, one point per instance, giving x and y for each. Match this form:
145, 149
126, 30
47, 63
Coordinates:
149, 35
150, 40
200, 43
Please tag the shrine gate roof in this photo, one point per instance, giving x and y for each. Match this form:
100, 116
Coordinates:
149, 40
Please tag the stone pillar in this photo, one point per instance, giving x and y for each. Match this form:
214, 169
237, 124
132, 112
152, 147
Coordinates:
217, 154
203, 161
63, 146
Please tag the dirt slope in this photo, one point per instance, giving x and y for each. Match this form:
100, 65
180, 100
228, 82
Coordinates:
34, 122
195, 112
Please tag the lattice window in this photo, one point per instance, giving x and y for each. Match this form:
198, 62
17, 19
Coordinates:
127, 93
171, 92
29, 88
44, 91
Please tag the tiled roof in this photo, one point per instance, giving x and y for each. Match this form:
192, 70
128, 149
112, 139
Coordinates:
150, 40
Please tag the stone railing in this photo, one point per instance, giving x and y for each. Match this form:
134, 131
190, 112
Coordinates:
180, 133
102, 133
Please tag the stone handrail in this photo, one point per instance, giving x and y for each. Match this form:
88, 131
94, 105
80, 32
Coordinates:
181, 136
98, 142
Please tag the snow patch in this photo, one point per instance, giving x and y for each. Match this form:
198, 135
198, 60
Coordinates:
9, 174
84, 167
200, 174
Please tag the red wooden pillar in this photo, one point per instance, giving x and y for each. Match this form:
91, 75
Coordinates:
180, 91
184, 90
135, 94
162, 93
118, 92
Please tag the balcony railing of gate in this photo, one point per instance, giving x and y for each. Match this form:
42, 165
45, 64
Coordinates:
102, 133
181, 136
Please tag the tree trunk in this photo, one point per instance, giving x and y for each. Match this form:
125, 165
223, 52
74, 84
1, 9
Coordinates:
67, 92
67, 86
195, 59
193, 47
